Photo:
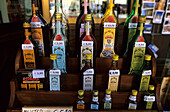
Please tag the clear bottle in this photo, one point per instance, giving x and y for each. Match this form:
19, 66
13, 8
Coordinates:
132, 100
80, 101
107, 101
95, 102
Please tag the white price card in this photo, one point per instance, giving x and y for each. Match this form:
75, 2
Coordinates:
38, 73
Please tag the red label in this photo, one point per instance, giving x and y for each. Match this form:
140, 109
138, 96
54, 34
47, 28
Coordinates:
110, 19
30, 79
108, 37
140, 39
135, 19
58, 37
35, 19
27, 42
87, 38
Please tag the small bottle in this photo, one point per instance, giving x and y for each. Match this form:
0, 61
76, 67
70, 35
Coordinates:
80, 101
95, 102
132, 100
107, 100
149, 98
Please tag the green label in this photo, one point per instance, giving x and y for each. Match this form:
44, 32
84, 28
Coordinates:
107, 105
131, 33
144, 83
149, 105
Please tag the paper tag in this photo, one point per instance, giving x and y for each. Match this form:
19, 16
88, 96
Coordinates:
58, 43
87, 43
133, 25
82, 25
89, 72
153, 47
149, 98
140, 44
95, 99
114, 72
133, 98
35, 24
55, 72
38, 73
27, 47
147, 72
109, 25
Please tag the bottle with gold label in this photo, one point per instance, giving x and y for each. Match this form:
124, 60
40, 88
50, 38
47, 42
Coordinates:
59, 44
95, 101
109, 28
114, 74
87, 43
107, 101
80, 101
39, 30
132, 100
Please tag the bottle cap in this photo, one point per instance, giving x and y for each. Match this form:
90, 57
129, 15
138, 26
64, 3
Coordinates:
88, 56
88, 17
81, 92
115, 57
134, 92
58, 16
142, 19
95, 92
151, 87
147, 57
53, 56
108, 91
26, 25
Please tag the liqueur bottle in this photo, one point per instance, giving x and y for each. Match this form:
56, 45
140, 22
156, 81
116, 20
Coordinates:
132, 100
58, 43
130, 26
39, 30
87, 43
80, 23
95, 102
149, 98
88, 74
136, 49
107, 100
80, 101
109, 28
114, 74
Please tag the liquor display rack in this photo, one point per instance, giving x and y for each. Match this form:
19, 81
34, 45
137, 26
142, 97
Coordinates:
70, 84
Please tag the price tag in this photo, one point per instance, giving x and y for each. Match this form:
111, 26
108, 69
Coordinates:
114, 72
35, 24
58, 43
133, 25
38, 73
89, 72
149, 98
140, 44
27, 47
147, 72
87, 43
109, 25
55, 72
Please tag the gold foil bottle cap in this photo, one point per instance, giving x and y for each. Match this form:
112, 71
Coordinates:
95, 92
147, 57
58, 16
88, 56
81, 92
115, 57
151, 87
53, 56
108, 91
88, 17
142, 19
26, 25
134, 92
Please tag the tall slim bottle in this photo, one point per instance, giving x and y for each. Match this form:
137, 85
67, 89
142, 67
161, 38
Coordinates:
130, 27
58, 44
39, 30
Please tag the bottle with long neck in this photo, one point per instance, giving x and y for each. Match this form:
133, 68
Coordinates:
58, 44
39, 30
109, 30
130, 27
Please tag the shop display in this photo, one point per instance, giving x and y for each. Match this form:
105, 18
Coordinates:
107, 101
95, 101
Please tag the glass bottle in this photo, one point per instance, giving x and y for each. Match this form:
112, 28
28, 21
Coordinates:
109, 29
107, 100
59, 44
80, 101
132, 100
39, 30
95, 102
130, 26
87, 43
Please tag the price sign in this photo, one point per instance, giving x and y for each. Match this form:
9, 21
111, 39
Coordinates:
58, 43
87, 43
140, 44
38, 73
27, 46
109, 25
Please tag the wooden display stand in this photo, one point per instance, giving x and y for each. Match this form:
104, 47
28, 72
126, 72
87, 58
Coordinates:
70, 84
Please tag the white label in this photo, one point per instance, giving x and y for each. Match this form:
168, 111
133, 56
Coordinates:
147, 72
133, 25
149, 98
35, 24
114, 72
82, 25
95, 99
55, 72
109, 25
87, 43
58, 43
27, 46
133, 98
88, 82
108, 97
132, 106
140, 44
38, 73
89, 72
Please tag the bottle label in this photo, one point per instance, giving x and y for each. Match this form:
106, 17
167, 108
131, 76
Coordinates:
37, 37
132, 28
144, 84
54, 76
146, 72
107, 105
95, 99
140, 44
89, 72
35, 24
60, 50
80, 106
108, 39
132, 98
88, 80
149, 105
149, 98
81, 29
114, 72
113, 83
27, 46
132, 106
55, 72
95, 106
86, 48
38, 73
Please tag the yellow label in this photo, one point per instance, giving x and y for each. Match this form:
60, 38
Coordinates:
23, 86
29, 59
32, 86
113, 83
80, 106
31, 82
40, 86
144, 84
149, 105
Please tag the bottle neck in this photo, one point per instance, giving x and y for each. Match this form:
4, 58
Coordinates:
80, 97
110, 5
82, 8
95, 98
140, 29
114, 64
151, 91
35, 7
108, 97
147, 63
136, 5
57, 6
58, 26
87, 27
88, 62
52, 65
